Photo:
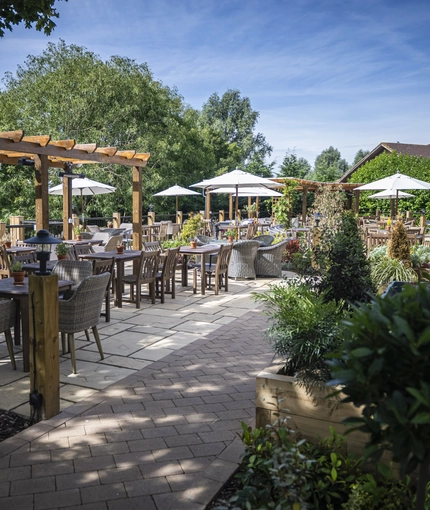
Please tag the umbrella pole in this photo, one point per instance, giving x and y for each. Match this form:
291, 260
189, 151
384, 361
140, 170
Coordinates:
392, 210
177, 203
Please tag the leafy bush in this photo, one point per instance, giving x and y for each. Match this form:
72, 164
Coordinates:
378, 253
192, 227
305, 327
385, 368
386, 270
420, 254
398, 245
292, 247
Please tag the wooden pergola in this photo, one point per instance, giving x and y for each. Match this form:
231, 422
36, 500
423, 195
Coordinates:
47, 153
305, 186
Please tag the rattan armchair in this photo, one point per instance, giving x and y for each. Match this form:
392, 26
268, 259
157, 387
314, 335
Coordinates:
82, 311
269, 259
242, 259
73, 270
264, 239
7, 320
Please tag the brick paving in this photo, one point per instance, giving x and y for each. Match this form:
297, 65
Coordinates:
162, 438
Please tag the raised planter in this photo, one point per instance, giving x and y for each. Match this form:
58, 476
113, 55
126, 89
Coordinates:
310, 416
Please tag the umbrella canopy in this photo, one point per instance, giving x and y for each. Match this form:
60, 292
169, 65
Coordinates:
396, 182
391, 193
175, 191
83, 186
249, 192
236, 179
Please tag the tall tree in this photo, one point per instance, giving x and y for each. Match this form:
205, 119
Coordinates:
68, 92
359, 156
14, 12
292, 166
329, 166
228, 125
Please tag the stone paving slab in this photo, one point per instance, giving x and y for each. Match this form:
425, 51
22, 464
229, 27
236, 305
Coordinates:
164, 437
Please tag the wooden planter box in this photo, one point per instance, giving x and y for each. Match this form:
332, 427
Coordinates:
310, 416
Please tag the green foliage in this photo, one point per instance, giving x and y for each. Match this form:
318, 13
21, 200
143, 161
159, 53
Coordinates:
329, 166
398, 245
13, 12
191, 227
384, 368
230, 233
283, 206
173, 243
420, 254
347, 275
385, 165
62, 249
329, 202
304, 328
360, 154
378, 253
227, 124
385, 270
292, 166
16, 267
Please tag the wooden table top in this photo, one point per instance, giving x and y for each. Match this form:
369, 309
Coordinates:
7, 286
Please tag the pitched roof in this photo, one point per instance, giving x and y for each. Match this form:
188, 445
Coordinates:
412, 149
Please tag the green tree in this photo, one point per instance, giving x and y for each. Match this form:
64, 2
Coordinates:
228, 124
69, 92
292, 166
14, 12
359, 156
329, 166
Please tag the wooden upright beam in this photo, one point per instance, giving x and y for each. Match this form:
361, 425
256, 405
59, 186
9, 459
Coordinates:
304, 204
208, 205
67, 208
137, 208
41, 166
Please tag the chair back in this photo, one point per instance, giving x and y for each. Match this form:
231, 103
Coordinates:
101, 236
73, 270
252, 229
148, 265
376, 239
24, 258
223, 258
162, 233
93, 228
82, 310
264, 239
169, 265
4, 263
113, 242
82, 249
152, 246
202, 240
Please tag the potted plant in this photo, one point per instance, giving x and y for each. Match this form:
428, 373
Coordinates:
192, 227
62, 250
78, 232
231, 234
17, 272
109, 224
193, 243
120, 248
6, 240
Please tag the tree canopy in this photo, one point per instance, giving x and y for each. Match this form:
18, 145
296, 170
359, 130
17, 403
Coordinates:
228, 125
329, 166
14, 12
292, 166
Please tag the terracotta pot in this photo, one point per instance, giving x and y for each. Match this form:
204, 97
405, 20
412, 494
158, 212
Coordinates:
18, 278
61, 257
8, 244
79, 238
230, 239
120, 249
193, 244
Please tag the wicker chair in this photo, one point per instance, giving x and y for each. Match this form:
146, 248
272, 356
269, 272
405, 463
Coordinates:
202, 240
7, 320
269, 259
82, 311
264, 239
166, 276
73, 270
218, 270
111, 245
242, 259
145, 273
105, 266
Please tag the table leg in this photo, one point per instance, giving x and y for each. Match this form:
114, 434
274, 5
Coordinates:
202, 273
118, 286
17, 326
184, 270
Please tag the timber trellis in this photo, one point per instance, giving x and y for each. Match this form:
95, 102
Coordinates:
47, 153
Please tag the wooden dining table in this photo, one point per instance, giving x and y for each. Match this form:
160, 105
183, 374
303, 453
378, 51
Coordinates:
120, 260
203, 251
19, 293
20, 250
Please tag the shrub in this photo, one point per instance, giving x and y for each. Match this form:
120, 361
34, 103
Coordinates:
386, 270
398, 245
305, 327
420, 254
191, 227
292, 247
385, 369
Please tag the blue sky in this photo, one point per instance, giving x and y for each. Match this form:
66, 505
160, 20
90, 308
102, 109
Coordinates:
344, 73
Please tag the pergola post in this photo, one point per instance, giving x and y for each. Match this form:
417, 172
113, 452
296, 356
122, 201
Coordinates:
67, 208
230, 207
208, 206
304, 204
356, 201
41, 166
137, 208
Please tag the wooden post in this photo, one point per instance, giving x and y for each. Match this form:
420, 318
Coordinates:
356, 201
17, 234
179, 217
44, 348
151, 218
116, 219
137, 207
422, 221
304, 205
75, 223
408, 216
249, 205
41, 166
208, 206
230, 207
220, 215
2, 229
67, 208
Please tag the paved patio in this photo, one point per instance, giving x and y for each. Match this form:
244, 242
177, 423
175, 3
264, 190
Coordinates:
154, 425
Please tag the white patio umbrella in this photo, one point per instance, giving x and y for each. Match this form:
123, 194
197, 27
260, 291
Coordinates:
249, 192
175, 191
236, 179
396, 182
84, 186
392, 195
